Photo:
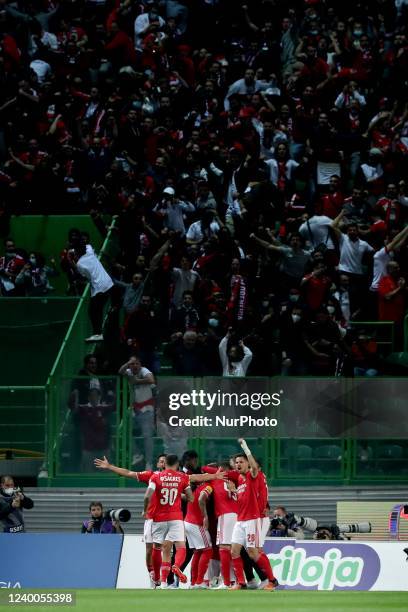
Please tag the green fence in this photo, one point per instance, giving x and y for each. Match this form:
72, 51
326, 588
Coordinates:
60, 419
22, 417
286, 460
382, 331
31, 331
73, 349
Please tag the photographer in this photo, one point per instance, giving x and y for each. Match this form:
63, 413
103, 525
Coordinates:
285, 524
100, 522
12, 503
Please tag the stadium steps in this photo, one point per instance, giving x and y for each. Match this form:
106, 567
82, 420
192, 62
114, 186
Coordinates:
66, 509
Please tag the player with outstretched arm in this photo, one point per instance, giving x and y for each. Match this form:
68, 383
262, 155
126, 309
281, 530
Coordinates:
248, 528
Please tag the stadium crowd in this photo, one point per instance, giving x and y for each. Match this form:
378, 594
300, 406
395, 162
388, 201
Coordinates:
254, 156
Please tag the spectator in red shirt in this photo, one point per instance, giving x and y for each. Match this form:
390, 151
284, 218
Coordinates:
331, 203
10, 266
391, 293
120, 47
316, 286
315, 69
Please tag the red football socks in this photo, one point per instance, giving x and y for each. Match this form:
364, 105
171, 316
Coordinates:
157, 561
194, 566
165, 571
180, 557
265, 566
239, 570
205, 559
225, 559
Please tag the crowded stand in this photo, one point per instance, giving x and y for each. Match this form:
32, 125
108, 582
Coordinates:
253, 157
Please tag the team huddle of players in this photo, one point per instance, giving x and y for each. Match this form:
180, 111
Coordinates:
223, 505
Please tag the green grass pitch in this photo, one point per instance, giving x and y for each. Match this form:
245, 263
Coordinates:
238, 601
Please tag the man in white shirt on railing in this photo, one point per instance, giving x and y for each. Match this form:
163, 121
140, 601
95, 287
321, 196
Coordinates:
88, 265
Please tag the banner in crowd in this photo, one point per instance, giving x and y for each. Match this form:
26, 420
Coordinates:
92, 561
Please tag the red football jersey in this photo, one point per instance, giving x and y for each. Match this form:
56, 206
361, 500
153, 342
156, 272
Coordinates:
225, 501
168, 487
262, 493
194, 515
145, 477
248, 506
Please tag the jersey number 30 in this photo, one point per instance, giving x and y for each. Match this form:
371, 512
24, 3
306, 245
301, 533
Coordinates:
168, 496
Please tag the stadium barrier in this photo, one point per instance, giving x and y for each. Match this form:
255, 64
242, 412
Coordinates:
63, 560
92, 561
69, 360
31, 332
340, 438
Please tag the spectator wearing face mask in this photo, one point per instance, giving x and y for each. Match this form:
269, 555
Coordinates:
33, 278
334, 310
12, 504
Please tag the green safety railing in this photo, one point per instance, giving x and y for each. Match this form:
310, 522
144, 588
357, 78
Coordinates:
382, 331
71, 354
22, 414
286, 460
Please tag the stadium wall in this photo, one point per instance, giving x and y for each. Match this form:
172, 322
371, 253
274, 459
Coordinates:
91, 561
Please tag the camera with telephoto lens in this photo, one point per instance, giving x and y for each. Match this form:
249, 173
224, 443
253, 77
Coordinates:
122, 515
340, 531
280, 525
